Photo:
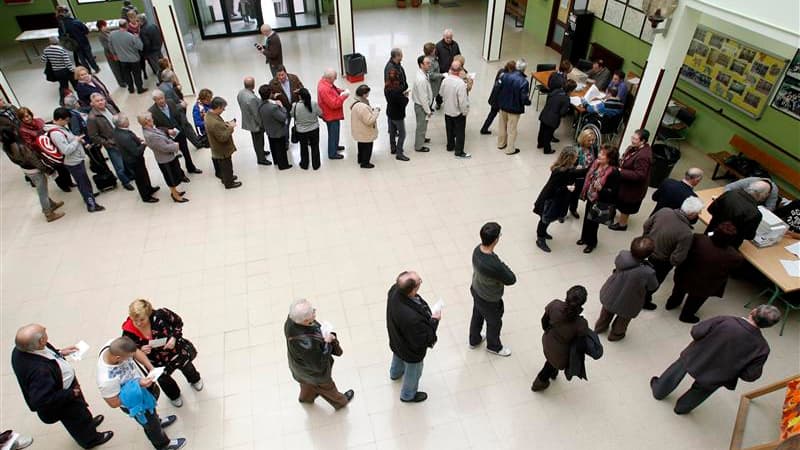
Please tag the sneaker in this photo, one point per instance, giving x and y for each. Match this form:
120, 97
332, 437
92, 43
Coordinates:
175, 444
418, 397
53, 216
464, 155
505, 351
178, 402
483, 338
169, 420
198, 386
96, 208
22, 442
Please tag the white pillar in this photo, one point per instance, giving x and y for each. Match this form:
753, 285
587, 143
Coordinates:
345, 35
167, 19
663, 67
6, 93
493, 37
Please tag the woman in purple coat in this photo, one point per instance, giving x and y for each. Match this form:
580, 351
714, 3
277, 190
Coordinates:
634, 176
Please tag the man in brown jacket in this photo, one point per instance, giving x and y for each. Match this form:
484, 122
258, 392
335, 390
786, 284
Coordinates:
220, 138
271, 49
725, 348
100, 128
286, 85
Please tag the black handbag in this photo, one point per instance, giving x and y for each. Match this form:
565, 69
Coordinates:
49, 73
293, 132
186, 353
602, 213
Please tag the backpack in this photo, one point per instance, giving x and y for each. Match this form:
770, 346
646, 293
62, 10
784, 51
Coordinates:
47, 151
137, 400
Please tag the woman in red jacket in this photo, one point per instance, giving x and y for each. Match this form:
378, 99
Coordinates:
330, 100
31, 128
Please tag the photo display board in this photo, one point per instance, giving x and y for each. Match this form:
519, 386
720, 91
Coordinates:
787, 99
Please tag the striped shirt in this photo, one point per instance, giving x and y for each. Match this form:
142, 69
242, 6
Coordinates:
58, 56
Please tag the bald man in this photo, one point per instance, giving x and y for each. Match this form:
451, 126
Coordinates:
50, 388
271, 48
251, 119
456, 107
740, 207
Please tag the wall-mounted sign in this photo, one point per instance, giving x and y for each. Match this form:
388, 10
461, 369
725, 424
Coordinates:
787, 98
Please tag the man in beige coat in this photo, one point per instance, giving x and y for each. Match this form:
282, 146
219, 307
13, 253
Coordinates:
220, 138
363, 125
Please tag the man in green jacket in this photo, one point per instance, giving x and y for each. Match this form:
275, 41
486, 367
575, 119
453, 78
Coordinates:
220, 138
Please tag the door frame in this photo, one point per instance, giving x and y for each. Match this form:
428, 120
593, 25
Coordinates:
226, 21
551, 27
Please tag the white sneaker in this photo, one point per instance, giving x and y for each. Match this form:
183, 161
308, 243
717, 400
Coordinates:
505, 351
178, 402
21, 442
483, 338
198, 386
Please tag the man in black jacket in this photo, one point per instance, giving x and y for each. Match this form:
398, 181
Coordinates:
132, 149
724, 349
150, 35
412, 330
168, 117
671, 193
395, 62
556, 107
740, 207
50, 387
446, 49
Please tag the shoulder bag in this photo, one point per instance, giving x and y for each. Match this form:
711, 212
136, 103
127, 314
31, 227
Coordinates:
602, 213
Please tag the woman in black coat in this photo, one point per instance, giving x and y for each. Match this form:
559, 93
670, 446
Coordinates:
396, 101
556, 107
554, 199
600, 188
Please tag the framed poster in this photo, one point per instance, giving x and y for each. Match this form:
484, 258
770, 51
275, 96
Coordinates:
787, 98
633, 21
614, 12
733, 71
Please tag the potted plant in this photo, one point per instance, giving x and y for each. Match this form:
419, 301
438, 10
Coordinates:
327, 6
401, 3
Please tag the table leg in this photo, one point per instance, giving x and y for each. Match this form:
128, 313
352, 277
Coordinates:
25, 52
774, 293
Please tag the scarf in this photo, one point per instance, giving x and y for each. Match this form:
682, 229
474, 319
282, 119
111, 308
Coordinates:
595, 180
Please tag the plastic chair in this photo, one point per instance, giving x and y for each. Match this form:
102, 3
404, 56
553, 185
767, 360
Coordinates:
540, 89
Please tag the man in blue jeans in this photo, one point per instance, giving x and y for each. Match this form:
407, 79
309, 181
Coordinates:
412, 330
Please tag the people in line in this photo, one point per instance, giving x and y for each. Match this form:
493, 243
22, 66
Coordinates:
200, 108
285, 86
671, 192
145, 325
671, 230
88, 84
740, 207
624, 293
423, 98
600, 193
274, 118
50, 386
30, 128
364, 125
587, 153
563, 324
100, 124
446, 49
331, 100
306, 114
494, 95
127, 46
723, 350
169, 117
71, 147
311, 348
58, 67
771, 202
554, 199
490, 275
111, 58
395, 63
168, 89
117, 365
412, 331
132, 148
455, 104
599, 75
165, 150
634, 178
78, 33
556, 107
512, 98
271, 49
435, 73
251, 121
396, 102
220, 136
705, 271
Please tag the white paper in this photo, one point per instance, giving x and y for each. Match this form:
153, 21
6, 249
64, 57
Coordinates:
593, 93
156, 343
437, 307
83, 347
155, 373
792, 267
576, 101
794, 248
634, 80
326, 328
472, 75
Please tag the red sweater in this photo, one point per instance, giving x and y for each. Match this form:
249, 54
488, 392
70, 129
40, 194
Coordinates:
329, 100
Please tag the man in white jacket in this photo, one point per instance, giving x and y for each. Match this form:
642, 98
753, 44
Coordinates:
422, 95
456, 107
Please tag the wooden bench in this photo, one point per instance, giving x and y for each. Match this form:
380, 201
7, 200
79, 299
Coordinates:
516, 9
771, 164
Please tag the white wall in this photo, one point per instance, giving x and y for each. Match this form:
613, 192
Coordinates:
777, 19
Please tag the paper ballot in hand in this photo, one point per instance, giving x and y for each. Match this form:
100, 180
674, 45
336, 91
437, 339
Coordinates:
83, 347
345, 92
155, 373
437, 307
156, 343
326, 328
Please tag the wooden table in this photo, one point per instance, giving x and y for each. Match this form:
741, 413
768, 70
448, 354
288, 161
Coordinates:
31, 36
767, 260
543, 76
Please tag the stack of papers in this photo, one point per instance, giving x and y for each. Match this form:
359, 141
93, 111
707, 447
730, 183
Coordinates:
794, 248
437, 307
792, 267
593, 96
83, 347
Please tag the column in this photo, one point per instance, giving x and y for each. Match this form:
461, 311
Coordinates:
493, 38
6, 93
345, 37
167, 19
663, 67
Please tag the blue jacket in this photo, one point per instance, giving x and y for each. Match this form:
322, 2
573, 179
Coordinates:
137, 400
77, 30
514, 90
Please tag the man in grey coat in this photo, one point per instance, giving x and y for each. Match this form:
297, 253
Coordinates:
127, 46
251, 121
671, 230
723, 349
100, 128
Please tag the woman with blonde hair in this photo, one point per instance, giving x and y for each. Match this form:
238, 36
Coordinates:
88, 84
587, 153
159, 334
464, 74
554, 199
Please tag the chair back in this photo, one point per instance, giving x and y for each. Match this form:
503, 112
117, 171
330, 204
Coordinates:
545, 67
686, 116
584, 65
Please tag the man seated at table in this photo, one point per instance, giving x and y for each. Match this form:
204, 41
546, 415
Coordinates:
610, 106
599, 75
618, 81
566, 71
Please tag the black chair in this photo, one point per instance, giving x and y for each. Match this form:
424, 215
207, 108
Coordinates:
667, 133
584, 65
540, 89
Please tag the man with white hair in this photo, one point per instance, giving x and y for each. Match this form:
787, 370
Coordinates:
168, 116
456, 108
671, 231
127, 46
311, 347
100, 125
132, 148
446, 49
251, 119
271, 48
671, 193
50, 387
740, 207
330, 99
512, 99
771, 202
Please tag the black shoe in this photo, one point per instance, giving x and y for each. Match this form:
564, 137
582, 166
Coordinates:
689, 319
97, 420
650, 306
575, 214
588, 249
516, 150
141, 91
547, 236
288, 166
393, 151
154, 189
539, 146
169, 420
561, 219
427, 140
237, 184
550, 152
449, 149
672, 305
185, 179
486, 132
198, 171
418, 397
128, 187
65, 188
617, 227
336, 157
542, 244
304, 166
105, 436
540, 385
463, 155
349, 395
265, 163
151, 200
367, 166
653, 381
554, 139
579, 242
423, 150
182, 200
402, 157
340, 148
95, 208
130, 91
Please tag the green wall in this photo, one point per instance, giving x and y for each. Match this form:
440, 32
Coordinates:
537, 19
105, 10
372, 4
710, 131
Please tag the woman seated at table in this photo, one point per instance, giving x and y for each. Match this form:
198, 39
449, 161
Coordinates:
87, 85
566, 71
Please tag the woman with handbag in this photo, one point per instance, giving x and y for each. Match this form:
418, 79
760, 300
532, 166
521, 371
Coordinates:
553, 201
587, 153
306, 114
600, 192
159, 334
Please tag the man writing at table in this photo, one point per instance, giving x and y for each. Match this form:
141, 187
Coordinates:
610, 106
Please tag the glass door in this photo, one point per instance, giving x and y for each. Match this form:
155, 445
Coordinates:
558, 23
218, 18
284, 15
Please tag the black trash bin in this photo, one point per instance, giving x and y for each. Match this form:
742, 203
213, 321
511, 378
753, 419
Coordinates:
664, 159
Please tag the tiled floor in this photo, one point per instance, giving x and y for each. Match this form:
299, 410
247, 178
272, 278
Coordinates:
230, 262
